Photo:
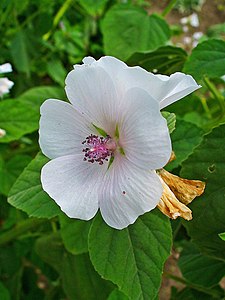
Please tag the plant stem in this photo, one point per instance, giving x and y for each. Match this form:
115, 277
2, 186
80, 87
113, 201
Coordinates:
196, 287
215, 93
169, 8
57, 18
205, 107
19, 229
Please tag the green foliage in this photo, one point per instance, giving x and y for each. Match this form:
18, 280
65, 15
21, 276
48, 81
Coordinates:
222, 236
19, 51
208, 58
74, 234
164, 60
53, 257
127, 29
21, 116
207, 164
93, 7
171, 120
117, 295
79, 279
140, 250
4, 293
27, 194
200, 269
10, 170
184, 139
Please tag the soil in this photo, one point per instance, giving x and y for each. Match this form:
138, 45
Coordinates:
211, 13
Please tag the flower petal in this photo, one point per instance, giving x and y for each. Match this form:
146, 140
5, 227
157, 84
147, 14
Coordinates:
5, 68
110, 64
143, 132
91, 90
74, 185
127, 193
5, 85
175, 87
164, 89
62, 129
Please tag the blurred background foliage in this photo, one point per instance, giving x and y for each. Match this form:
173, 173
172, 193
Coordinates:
48, 258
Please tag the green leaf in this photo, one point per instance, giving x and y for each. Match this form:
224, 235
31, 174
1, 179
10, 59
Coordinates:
4, 293
222, 236
117, 295
57, 71
10, 170
11, 269
93, 7
50, 249
27, 194
74, 234
216, 31
208, 58
21, 116
164, 60
184, 139
207, 163
81, 281
132, 258
200, 269
39, 94
170, 119
17, 118
127, 29
19, 51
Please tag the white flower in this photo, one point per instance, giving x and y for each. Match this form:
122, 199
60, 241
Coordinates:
5, 68
184, 20
5, 83
197, 35
2, 132
192, 20
115, 173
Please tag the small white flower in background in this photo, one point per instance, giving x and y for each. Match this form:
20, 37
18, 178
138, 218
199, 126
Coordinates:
185, 28
184, 20
5, 83
192, 20
197, 35
5, 68
2, 132
106, 145
187, 40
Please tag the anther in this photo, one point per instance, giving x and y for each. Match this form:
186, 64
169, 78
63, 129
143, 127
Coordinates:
97, 149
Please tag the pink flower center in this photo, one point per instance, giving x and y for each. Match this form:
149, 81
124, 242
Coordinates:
98, 149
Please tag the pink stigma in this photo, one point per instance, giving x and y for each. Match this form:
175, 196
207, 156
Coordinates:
98, 149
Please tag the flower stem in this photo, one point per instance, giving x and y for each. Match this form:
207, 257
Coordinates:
196, 287
169, 8
19, 229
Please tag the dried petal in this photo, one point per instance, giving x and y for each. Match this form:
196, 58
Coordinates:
184, 189
172, 157
171, 206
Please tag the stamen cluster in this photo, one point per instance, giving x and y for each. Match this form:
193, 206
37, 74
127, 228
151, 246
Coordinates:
96, 149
